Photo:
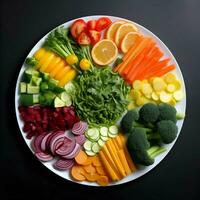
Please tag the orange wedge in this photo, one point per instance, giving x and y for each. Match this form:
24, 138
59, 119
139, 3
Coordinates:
123, 30
128, 41
104, 52
110, 34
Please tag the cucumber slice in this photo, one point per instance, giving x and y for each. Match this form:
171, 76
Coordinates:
22, 87
95, 147
87, 145
32, 89
35, 98
104, 131
29, 99
101, 142
104, 138
113, 130
111, 135
35, 81
93, 134
58, 102
90, 153
69, 87
32, 71
66, 98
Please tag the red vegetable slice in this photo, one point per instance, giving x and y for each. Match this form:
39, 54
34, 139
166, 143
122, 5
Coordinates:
79, 128
63, 165
78, 27
43, 156
43, 145
75, 151
95, 36
84, 39
36, 143
91, 24
103, 23
80, 139
67, 146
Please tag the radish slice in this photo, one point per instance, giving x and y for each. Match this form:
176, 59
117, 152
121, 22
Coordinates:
63, 165
79, 128
36, 143
43, 156
74, 152
44, 142
80, 139
55, 140
67, 146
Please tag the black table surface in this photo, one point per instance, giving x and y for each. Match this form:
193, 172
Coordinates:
23, 23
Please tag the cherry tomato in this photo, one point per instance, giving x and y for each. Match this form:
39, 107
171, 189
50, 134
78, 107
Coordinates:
84, 39
78, 27
91, 25
103, 23
94, 36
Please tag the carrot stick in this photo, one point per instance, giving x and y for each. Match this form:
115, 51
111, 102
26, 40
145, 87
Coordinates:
161, 72
140, 38
152, 68
124, 161
144, 51
135, 52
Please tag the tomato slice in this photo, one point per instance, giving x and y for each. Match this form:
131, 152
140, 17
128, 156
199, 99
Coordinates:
103, 23
78, 27
84, 39
91, 25
94, 36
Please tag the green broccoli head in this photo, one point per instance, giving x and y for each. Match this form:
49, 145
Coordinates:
167, 130
167, 112
149, 113
127, 123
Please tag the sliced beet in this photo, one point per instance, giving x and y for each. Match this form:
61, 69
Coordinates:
75, 151
63, 165
44, 156
80, 139
67, 147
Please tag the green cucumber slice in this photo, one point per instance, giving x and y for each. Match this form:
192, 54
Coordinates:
35, 80
104, 131
101, 142
111, 135
58, 102
113, 130
22, 87
90, 153
29, 99
32, 89
87, 145
95, 147
66, 98
104, 138
93, 134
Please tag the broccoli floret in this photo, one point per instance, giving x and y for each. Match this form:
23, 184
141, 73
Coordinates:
167, 130
129, 121
139, 148
149, 113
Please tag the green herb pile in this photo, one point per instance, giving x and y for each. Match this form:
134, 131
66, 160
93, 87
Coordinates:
100, 96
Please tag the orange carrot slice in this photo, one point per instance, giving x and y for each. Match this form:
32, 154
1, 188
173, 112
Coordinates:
89, 169
78, 173
103, 180
91, 177
81, 158
96, 161
100, 171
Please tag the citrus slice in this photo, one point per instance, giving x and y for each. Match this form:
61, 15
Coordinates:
104, 52
123, 30
110, 34
128, 41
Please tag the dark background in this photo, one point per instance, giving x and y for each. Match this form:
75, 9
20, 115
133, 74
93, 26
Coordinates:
23, 23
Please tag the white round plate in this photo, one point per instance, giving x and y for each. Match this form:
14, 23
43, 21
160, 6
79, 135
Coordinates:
181, 106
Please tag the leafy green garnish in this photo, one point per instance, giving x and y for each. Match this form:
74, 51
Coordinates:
100, 96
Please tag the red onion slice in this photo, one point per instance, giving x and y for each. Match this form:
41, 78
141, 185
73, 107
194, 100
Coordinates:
43, 145
36, 143
80, 139
79, 128
43, 156
63, 165
67, 146
75, 151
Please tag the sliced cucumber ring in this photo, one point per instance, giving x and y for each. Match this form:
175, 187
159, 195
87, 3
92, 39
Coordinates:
88, 145
104, 131
90, 153
95, 147
101, 142
113, 130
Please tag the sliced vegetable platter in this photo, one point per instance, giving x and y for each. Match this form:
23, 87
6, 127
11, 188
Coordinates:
96, 98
